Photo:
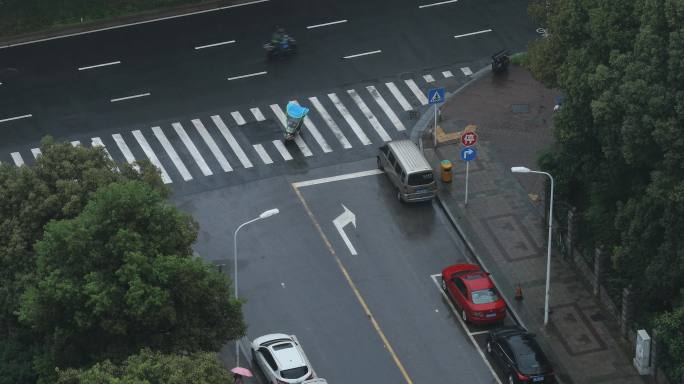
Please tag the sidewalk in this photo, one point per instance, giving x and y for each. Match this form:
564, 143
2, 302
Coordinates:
504, 224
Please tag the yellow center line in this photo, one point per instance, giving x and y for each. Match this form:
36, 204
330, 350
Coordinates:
386, 342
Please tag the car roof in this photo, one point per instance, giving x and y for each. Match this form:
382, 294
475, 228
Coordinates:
288, 355
410, 157
477, 280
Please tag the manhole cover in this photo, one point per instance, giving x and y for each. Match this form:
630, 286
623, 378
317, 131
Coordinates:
520, 108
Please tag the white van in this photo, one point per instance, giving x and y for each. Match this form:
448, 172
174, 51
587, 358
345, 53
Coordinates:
408, 170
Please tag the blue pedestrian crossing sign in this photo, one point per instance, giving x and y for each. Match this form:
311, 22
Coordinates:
468, 154
436, 95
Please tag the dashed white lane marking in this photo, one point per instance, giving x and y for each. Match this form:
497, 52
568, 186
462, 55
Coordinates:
75, 143
36, 152
15, 118
362, 54
231, 141
369, 115
18, 160
123, 147
326, 24
315, 133
435, 4
466, 71
97, 142
99, 65
257, 114
472, 33
214, 44
129, 97
386, 108
262, 154
416, 91
247, 75
238, 118
173, 155
330, 122
399, 96
283, 151
283, 120
347, 176
150, 155
206, 171
447, 74
349, 119
429, 78
225, 165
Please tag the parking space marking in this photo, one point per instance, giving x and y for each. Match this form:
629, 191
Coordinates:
435, 279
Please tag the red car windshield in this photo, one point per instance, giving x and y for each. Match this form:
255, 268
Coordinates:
485, 296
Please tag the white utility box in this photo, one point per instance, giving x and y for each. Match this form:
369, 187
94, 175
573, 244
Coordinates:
642, 360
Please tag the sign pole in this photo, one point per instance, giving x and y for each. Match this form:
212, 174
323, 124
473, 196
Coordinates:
466, 191
435, 97
434, 131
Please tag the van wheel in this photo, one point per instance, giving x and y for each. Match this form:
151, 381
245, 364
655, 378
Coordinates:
379, 163
399, 196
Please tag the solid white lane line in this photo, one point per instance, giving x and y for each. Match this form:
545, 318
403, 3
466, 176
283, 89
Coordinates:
330, 122
206, 171
347, 176
362, 54
129, 97
99, 65
429, 78
214, 44
199, 126
386, 108
369, 115
238, 118
137, 23
416, 91
447, 74
18, 160
472, 33
248, 75
283, 151
16, 118
435, 4
150, 155
298, 139
257, 114
123, 147
182, 169
326, 24
262, 154
315, 133
36, 152
399, 96
231, 141
97, 142
466, 71
75, 143
349, 119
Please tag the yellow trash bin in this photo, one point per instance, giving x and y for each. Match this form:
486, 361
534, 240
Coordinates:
446, 171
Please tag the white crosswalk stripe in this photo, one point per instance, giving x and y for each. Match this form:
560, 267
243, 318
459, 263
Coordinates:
36, 152
75, 143
369, 115
238, 118
466, 71
349, 119
262, 154
283, 120
18, 160
123, 148
97, 142
283, 151
257, 114
386, 108
231, 141
429, 78
206, 171
150, 155
199, 126
447, 74
399, 96
315, 133
173, 155
416, 91
330, 122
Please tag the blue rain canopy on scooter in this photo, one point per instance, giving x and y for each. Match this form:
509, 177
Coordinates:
296, 111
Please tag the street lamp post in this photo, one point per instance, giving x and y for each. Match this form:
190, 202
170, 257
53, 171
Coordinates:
263, 215
548, 249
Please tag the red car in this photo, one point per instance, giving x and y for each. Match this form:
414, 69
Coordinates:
474, 293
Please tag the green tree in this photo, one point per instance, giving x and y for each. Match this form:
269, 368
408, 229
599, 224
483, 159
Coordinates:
670, 327
149, 367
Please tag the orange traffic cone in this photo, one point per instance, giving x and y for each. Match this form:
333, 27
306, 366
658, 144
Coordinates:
518, 292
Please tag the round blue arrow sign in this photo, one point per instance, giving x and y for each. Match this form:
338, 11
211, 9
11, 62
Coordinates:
468, 154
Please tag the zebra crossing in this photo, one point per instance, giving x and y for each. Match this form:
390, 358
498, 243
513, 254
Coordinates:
221, 143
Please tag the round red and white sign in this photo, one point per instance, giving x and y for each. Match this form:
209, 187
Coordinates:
468, 139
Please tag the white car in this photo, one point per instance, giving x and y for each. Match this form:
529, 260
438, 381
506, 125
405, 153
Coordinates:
281, 359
